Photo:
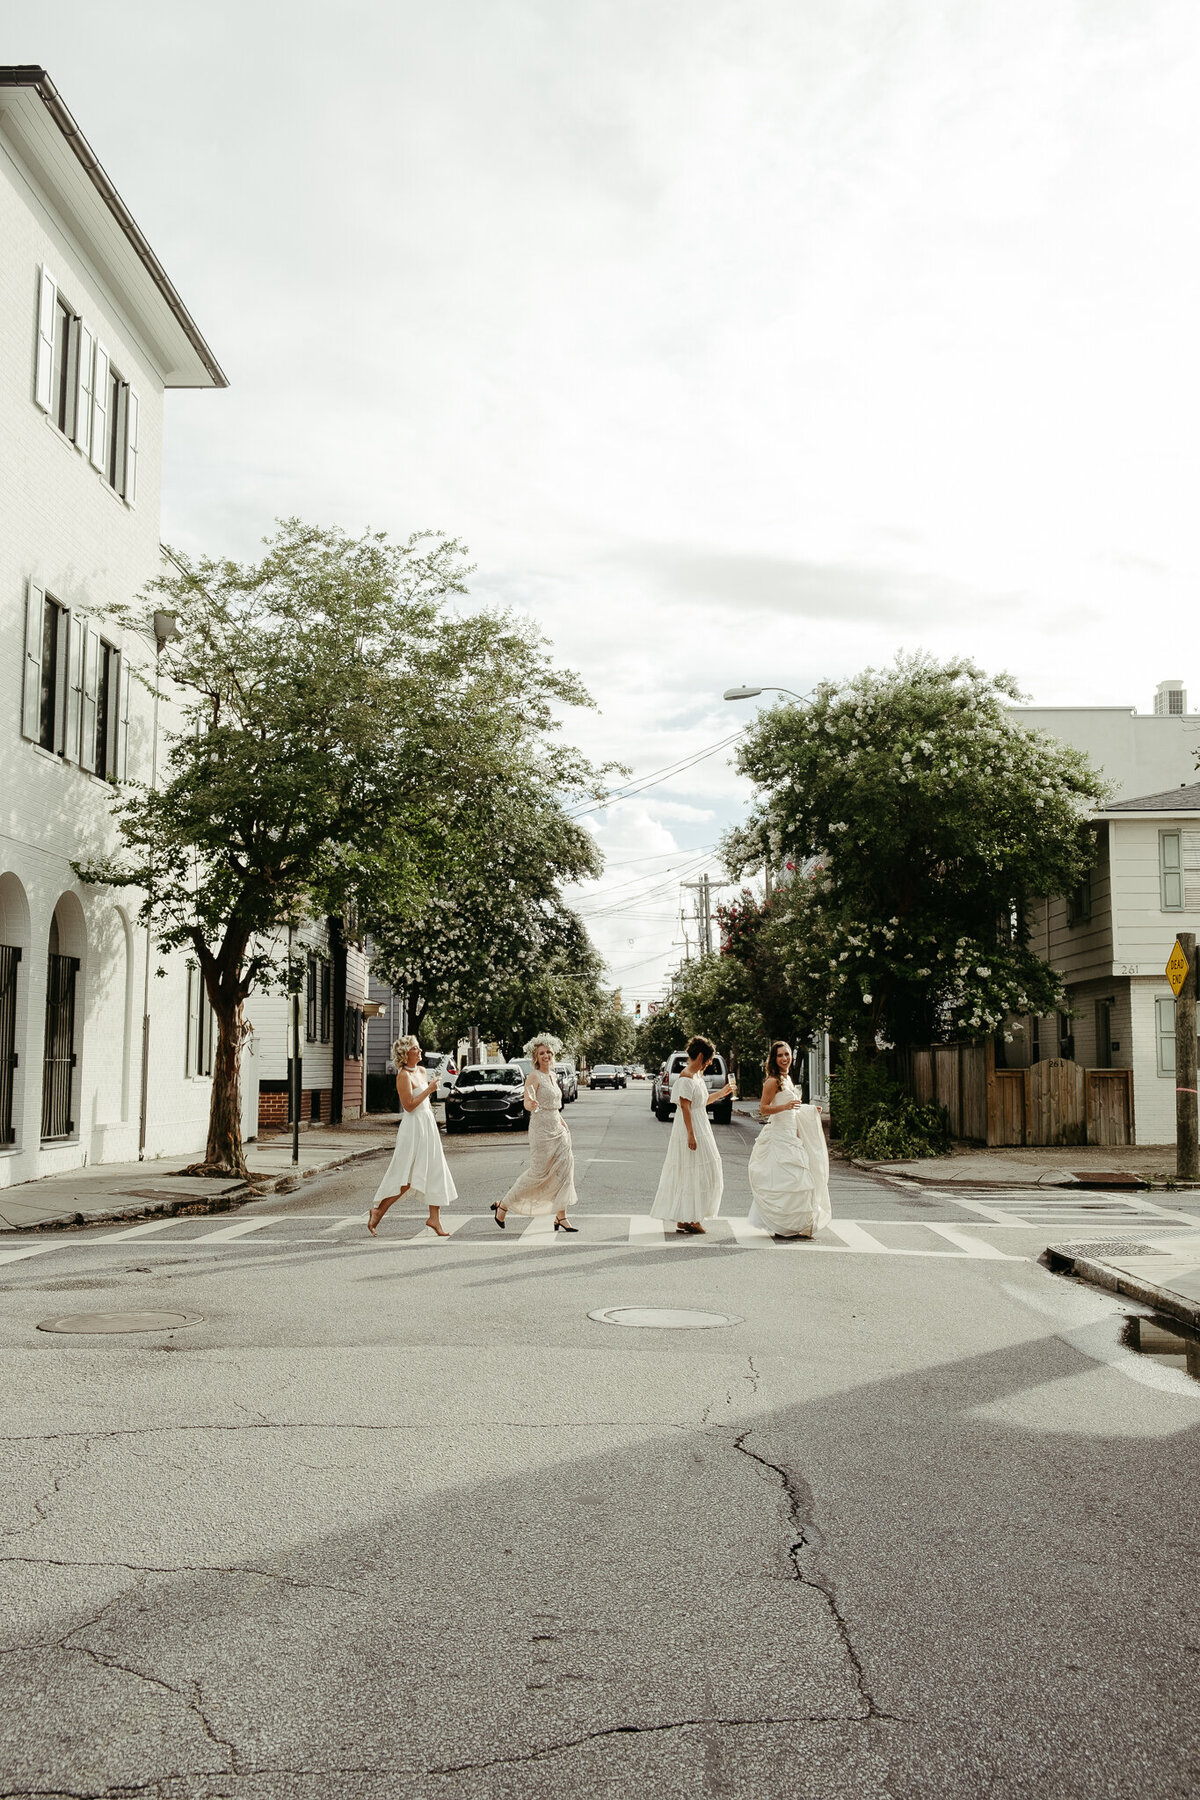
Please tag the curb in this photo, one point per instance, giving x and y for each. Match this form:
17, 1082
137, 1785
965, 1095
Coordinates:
1115, 1280
192, 1205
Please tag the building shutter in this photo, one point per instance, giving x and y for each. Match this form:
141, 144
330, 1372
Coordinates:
120, 693
43, 386
91, 693
84, 359
193, 1019
132, 410
31, 700
75, 746
1170, 869
99, 444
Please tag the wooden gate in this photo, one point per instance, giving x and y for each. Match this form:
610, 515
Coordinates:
1109, 1103
1056, 1102
1008, 1109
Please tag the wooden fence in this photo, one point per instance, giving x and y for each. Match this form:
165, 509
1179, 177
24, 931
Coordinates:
1052, 1102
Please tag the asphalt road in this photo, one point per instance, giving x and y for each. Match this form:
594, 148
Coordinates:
397, 1519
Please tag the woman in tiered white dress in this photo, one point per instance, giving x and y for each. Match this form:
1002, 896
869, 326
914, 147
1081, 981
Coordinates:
789, 1165
692, 1180
418, 1162
548, 1184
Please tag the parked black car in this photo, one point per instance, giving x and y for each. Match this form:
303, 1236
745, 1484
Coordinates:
607, 1075
490, 1095
663, 1106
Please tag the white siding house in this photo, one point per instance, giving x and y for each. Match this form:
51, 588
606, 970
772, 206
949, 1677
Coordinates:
92, 334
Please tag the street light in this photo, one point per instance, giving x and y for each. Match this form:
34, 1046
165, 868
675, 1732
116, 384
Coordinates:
751, 693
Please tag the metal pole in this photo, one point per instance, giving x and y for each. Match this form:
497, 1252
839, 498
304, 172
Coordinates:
1187, 1140
296, 1064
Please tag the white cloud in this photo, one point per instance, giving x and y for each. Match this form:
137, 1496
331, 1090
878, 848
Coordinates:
736, 345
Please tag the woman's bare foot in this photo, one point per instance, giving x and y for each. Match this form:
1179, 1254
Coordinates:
434, 1222
373, 1218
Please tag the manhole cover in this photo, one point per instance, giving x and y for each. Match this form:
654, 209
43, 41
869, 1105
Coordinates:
662, 1318
121, 1321
1108, 1247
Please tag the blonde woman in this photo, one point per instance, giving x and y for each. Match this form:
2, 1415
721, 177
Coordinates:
418, 1162
789, 1164
548, 1184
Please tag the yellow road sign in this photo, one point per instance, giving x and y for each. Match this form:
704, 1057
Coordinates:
1177, 968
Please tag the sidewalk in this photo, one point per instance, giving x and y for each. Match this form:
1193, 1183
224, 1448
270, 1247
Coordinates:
142, 1190
1083, 1165
1164, 1275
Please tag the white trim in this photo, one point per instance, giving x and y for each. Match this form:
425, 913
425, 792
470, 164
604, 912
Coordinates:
43, 374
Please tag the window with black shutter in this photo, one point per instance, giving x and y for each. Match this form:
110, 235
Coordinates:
10, 956
310, 998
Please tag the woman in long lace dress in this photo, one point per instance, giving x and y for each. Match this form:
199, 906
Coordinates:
692, 1179
418, 1162
789, 1165
548, 1184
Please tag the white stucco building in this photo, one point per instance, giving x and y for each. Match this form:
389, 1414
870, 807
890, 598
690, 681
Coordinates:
92, 335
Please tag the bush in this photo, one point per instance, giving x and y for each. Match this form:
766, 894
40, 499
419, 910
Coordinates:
877, 1119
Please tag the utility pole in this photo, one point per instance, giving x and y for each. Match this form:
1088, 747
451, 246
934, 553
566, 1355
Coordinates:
704, 892
1187, 1141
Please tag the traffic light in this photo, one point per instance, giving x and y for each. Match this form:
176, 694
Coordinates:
637, 1009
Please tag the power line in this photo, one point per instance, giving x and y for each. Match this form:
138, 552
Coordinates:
658, 775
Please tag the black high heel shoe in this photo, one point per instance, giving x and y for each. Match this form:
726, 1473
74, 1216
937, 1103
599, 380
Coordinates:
496, 1214
561, 1225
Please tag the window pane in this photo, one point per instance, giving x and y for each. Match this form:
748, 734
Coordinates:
115, 431
103, 713
49, 673
61, 389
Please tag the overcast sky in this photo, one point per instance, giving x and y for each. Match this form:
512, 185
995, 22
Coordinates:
738, 342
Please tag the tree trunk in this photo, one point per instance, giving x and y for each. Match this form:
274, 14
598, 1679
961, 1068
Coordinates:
223, 1153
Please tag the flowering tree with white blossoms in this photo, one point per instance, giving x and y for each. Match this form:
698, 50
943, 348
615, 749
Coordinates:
921, 820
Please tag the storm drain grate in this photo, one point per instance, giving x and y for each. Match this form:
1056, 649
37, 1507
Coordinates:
1107, 1247
662, 1318
121, 1321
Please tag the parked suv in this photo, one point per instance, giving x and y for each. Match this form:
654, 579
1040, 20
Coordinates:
491, 1095
568, 1081
662, 1104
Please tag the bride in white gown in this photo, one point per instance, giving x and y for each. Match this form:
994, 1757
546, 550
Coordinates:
789, 1165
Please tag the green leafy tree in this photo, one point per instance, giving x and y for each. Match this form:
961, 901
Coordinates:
612, 1038
658, 1036
922, 820
484, 935
326, 694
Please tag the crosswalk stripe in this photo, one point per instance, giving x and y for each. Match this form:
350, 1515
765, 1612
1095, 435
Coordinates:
746, 1233
539, 1232
242, 1229
11, 1256
855, 1238
973, 1246
643, 1229
135, 1231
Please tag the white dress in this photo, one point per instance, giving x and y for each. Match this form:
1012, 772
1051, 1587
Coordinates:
692, 1181
789, 1172
548, 1184
418, 1161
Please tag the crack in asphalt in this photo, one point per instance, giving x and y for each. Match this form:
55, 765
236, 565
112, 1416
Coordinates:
194, 1705
90, 1437
803, 1554
296, 1581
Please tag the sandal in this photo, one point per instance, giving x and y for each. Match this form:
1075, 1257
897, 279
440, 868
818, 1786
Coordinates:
496, 1214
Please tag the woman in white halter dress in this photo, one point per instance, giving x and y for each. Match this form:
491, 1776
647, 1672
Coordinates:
418, 1164
548, 1184
692, 1179
789, 1165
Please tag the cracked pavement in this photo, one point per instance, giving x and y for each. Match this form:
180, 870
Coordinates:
405, 1523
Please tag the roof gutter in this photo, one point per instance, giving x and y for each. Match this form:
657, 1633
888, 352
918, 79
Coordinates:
28, 75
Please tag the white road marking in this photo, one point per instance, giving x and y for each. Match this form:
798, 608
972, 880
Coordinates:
243, 1228
11, 1256
539, 1232
644, 1230
136, 1231
855, 1238
746, 1233
972, 1245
